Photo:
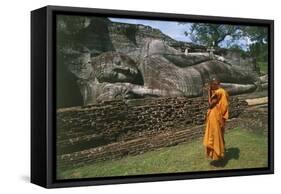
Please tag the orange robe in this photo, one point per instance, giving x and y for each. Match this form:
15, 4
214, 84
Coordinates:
214, 133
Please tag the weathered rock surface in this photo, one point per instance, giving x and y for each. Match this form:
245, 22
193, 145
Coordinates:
113, 129
116, 61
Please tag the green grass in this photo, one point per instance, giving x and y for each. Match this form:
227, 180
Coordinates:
244, 149
264, 67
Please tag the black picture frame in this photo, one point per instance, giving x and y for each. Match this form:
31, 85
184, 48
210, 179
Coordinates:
43, 93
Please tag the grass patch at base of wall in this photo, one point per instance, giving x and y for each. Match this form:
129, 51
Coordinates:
244, 149
264, 67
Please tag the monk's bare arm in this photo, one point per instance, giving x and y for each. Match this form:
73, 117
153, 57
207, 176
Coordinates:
213, 102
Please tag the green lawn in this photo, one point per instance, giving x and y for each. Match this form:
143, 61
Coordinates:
244, 149
263, 67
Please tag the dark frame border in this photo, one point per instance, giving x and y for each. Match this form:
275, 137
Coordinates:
46, 161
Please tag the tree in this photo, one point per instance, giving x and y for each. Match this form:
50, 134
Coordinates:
213, 34
231, 37
257, 34
258, 48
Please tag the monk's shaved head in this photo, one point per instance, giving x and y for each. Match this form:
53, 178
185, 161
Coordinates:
215, 82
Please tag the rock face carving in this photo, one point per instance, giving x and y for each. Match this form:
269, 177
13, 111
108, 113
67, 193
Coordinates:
114, 60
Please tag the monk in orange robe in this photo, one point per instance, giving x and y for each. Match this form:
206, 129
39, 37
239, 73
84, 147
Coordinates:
217, 114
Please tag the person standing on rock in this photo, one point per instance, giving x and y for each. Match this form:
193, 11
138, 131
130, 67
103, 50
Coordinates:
217, 115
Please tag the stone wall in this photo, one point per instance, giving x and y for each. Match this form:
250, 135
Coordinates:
256, 119
113, 129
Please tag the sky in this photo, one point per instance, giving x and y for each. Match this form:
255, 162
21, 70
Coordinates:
176, 30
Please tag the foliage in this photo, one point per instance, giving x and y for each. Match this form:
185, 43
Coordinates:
231, 36
256, 33
212, 34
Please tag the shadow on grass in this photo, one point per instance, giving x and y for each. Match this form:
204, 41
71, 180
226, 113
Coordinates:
231, 153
